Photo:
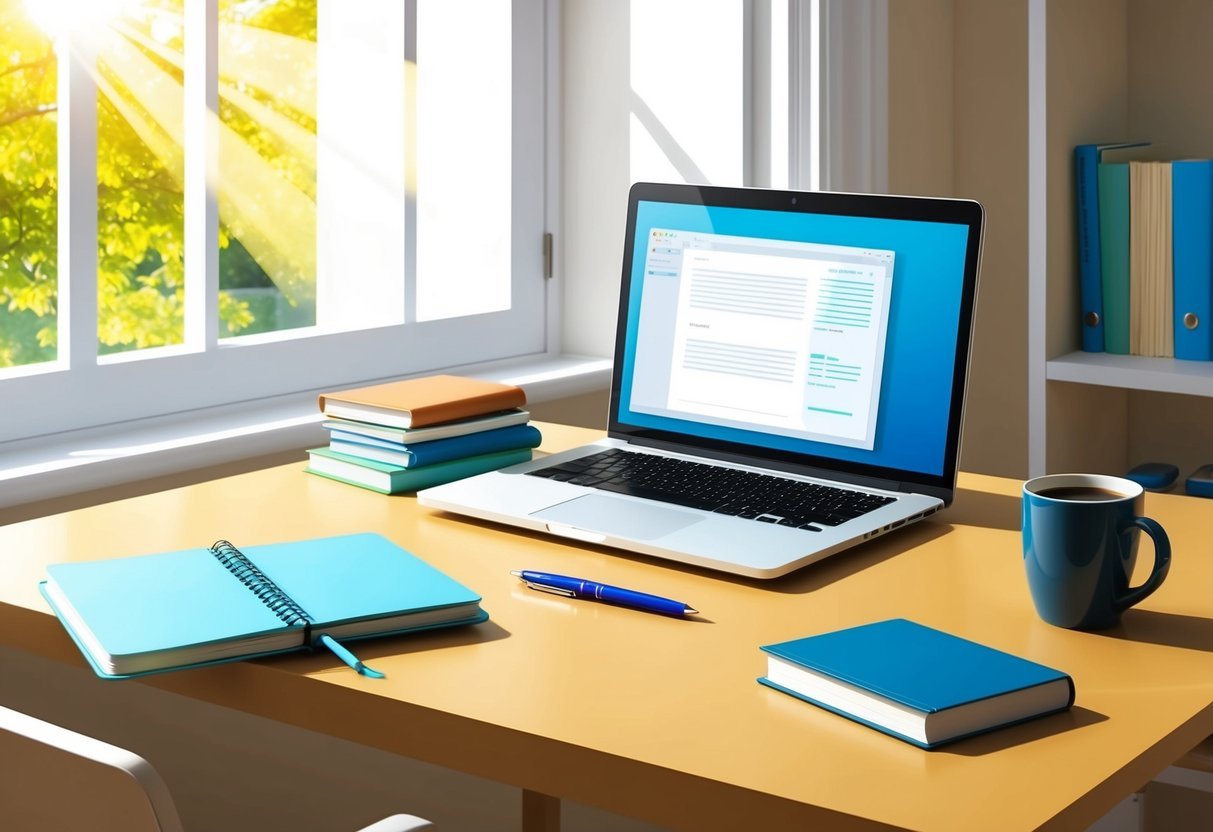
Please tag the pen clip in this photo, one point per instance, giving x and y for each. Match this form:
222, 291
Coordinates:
567, 593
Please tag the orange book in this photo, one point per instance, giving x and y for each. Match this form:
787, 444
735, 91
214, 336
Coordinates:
416, 402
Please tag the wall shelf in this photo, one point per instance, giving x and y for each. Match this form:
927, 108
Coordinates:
1159, 375
1106, 71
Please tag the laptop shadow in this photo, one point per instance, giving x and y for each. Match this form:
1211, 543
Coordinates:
982, 508
843, 565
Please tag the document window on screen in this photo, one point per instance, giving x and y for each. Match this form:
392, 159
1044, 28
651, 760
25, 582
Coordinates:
786, 335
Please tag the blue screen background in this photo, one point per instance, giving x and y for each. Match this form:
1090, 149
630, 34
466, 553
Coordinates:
920, 349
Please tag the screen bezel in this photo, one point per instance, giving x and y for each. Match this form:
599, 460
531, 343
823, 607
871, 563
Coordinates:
964, 212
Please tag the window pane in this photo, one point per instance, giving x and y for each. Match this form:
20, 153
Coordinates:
140, 171
267, 166
28, 190
688, 111
463, 169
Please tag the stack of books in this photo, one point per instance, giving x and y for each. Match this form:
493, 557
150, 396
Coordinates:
414, 434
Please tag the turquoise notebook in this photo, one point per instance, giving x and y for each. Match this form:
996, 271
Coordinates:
915, 683
151, 613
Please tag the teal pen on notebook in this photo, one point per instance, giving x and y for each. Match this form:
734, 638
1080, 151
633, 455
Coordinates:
580, 588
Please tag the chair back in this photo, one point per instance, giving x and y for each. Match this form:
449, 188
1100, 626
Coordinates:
56, 779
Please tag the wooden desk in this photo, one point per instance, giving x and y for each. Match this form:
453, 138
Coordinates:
659, 718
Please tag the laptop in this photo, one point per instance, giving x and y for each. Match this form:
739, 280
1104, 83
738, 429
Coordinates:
789, 381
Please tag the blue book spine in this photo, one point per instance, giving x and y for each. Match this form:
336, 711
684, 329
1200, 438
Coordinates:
1192, 252
1086, 164
474, 444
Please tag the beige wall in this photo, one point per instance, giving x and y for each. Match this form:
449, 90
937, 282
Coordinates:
958, 127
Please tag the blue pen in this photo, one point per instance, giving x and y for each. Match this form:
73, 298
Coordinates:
579, 588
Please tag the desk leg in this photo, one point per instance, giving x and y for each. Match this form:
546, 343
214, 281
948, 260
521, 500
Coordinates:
540, 812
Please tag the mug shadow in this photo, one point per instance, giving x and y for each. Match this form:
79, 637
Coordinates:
1169, 629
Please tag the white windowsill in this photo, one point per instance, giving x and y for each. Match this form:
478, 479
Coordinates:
71, 463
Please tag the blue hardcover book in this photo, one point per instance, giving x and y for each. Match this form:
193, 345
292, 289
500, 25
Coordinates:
1192, 253
918, 684
1090, 273
151, 613
440, 450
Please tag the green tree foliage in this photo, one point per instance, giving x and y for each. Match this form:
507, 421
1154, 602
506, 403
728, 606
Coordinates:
28, 191
140, 223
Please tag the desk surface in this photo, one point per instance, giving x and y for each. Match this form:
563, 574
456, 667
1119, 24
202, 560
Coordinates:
662, 718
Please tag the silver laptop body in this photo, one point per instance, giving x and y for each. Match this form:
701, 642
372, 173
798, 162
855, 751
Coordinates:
818, 338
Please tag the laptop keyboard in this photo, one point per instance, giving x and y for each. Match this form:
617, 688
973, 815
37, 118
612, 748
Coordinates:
746, 494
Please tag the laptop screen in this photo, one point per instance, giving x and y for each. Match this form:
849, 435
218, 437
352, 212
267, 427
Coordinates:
832, 332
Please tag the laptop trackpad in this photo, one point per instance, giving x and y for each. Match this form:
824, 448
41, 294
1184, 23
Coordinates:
618, 518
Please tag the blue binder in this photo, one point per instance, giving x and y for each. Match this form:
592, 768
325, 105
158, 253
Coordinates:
1192, 252
1090, 273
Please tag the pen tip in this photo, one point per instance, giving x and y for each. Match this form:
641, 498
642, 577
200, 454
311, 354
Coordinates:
515, 573
690, 611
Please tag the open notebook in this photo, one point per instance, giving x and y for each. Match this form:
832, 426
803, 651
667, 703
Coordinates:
151, 613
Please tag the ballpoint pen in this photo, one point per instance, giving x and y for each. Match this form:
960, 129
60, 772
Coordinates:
579, 588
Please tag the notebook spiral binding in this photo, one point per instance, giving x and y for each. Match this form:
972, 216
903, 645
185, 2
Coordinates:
281, 604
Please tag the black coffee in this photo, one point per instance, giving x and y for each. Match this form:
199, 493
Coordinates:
1080, 493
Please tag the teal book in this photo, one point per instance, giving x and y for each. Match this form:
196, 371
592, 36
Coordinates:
151, 613
1192, 257
394, 479
915, 683
1114, 254
440, 450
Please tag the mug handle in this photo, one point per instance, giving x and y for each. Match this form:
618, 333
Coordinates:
1162, 564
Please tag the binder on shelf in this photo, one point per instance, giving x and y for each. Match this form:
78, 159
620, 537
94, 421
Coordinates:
1192, 244
1151, 286
1114, 254
1086, 164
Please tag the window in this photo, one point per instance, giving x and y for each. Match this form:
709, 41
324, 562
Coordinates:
209, 202
715, 90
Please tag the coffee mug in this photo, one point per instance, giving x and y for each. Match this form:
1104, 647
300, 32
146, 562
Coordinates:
1080, 535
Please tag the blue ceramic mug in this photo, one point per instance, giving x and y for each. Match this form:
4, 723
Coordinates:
1080, 535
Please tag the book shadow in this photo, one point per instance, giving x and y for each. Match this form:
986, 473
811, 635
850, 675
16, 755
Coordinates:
1046, 726
1168, 629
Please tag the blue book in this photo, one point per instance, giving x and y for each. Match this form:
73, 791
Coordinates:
1192, 257
1090, 273
152, 613
439, 450
918, 684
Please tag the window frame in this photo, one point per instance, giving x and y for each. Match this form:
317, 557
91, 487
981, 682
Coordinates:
80, 390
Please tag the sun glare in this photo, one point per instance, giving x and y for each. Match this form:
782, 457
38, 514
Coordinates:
56, 17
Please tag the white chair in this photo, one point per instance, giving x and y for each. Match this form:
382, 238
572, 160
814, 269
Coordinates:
56, 779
